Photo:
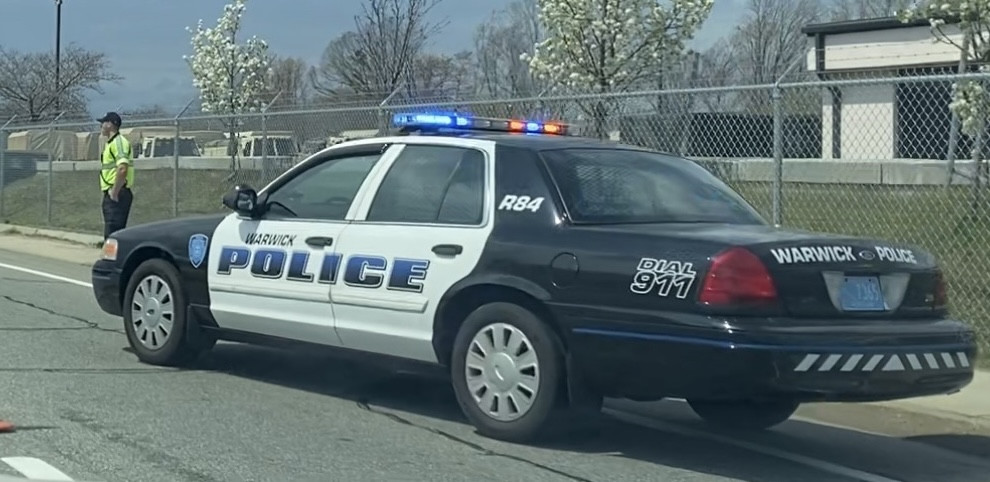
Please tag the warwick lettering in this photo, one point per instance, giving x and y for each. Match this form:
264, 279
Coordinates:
269, 239
814, 254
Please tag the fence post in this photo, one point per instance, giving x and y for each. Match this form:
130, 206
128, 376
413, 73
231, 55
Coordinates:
51, 168
265, 170
175, 160
3, 158
383, 121
954, 123
778, 153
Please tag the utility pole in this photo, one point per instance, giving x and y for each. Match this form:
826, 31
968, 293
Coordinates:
58, 48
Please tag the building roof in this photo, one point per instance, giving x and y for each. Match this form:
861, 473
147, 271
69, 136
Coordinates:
864, 25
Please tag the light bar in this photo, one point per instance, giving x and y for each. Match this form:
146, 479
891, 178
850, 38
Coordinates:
461, 122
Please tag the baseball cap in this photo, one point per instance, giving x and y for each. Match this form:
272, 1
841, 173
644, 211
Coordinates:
112, 117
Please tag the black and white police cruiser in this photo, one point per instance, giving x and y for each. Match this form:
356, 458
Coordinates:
542, 272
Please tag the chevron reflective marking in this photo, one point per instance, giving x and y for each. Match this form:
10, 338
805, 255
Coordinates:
852, 362
863, 362
870, 365
963, 360
913, 361
807, 362
947, 358
829, 363
894, 364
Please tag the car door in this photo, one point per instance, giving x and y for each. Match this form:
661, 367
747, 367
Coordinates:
423, 230
272, 275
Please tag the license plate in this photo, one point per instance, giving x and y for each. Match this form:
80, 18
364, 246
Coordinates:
861, 293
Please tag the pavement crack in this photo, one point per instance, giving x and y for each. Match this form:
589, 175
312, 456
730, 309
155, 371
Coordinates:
87, 324
365, 405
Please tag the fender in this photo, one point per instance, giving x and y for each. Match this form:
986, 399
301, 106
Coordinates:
498, 279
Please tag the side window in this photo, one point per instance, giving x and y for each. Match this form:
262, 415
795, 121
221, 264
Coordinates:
432, 184
325, 191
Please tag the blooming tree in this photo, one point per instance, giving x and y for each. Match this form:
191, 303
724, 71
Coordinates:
232, 78
970, 99
607, 46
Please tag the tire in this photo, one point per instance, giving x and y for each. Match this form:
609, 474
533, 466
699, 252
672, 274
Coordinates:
744, 414
160, 339
545, 370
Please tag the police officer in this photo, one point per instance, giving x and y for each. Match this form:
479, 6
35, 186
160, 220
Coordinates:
116, 176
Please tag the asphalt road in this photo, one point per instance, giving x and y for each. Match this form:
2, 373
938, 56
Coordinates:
85, 406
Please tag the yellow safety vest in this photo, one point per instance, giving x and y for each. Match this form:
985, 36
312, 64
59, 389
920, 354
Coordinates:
116, 152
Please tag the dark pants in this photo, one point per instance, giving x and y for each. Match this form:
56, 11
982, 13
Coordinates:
115, 213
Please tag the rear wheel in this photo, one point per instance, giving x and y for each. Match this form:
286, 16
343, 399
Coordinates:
155, 315
744, 414
507, 371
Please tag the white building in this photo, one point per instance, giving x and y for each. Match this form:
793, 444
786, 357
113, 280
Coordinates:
883, 121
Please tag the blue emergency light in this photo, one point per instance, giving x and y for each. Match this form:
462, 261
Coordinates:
426, 121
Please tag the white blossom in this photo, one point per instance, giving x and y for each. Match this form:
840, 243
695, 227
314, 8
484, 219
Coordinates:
231, 77
970, 100
611, 45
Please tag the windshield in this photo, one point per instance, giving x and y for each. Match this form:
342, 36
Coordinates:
613, 186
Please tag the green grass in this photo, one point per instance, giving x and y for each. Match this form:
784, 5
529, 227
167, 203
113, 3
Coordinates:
937, 219
76, 197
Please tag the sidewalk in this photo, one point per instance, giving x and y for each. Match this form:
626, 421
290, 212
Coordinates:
971, 405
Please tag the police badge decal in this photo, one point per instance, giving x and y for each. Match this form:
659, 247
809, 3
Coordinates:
197, 249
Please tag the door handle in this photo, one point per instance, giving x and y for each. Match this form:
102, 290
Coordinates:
448, 249
319, 241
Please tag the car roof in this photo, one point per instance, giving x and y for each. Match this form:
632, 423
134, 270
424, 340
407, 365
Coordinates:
544, 142
538, 142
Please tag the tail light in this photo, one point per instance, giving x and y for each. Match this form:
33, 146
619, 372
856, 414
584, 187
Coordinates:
941, 291
737, 277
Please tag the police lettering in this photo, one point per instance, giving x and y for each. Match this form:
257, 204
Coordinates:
896, 255
360, 270
814, 254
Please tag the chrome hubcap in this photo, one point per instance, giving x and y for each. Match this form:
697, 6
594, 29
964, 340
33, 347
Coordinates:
502, 372
152, 312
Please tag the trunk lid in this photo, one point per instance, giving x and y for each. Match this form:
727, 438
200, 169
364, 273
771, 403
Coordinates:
826, 275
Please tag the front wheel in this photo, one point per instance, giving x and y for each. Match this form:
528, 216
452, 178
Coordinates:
744, 414
507, 371
155, 315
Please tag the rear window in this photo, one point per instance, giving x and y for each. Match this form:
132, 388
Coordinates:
614, 186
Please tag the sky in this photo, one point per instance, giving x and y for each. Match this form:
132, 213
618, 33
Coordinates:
146, 39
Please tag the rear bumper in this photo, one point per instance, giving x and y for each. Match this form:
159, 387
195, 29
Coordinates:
641, 362
106, 287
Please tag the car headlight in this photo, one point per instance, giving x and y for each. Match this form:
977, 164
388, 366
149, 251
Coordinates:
109, 252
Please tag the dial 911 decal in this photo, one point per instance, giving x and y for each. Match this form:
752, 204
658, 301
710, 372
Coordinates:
661, 276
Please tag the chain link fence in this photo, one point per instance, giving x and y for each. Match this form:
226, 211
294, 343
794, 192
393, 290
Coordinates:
864, 156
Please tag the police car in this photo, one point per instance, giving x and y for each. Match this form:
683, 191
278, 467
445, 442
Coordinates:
541, 272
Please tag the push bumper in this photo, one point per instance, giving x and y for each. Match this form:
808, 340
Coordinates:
106, 287
807, 364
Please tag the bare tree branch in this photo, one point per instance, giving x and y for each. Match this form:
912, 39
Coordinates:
378, 54
27, 80
288, 82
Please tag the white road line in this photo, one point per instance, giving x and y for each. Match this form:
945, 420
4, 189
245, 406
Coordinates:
35, 469
822, 465
46, 275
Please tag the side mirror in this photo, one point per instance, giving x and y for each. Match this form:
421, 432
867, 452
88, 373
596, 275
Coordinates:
243, 200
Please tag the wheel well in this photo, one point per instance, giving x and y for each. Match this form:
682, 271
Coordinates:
453, 312
139, 256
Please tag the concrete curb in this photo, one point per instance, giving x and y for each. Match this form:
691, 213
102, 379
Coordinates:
90, 240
